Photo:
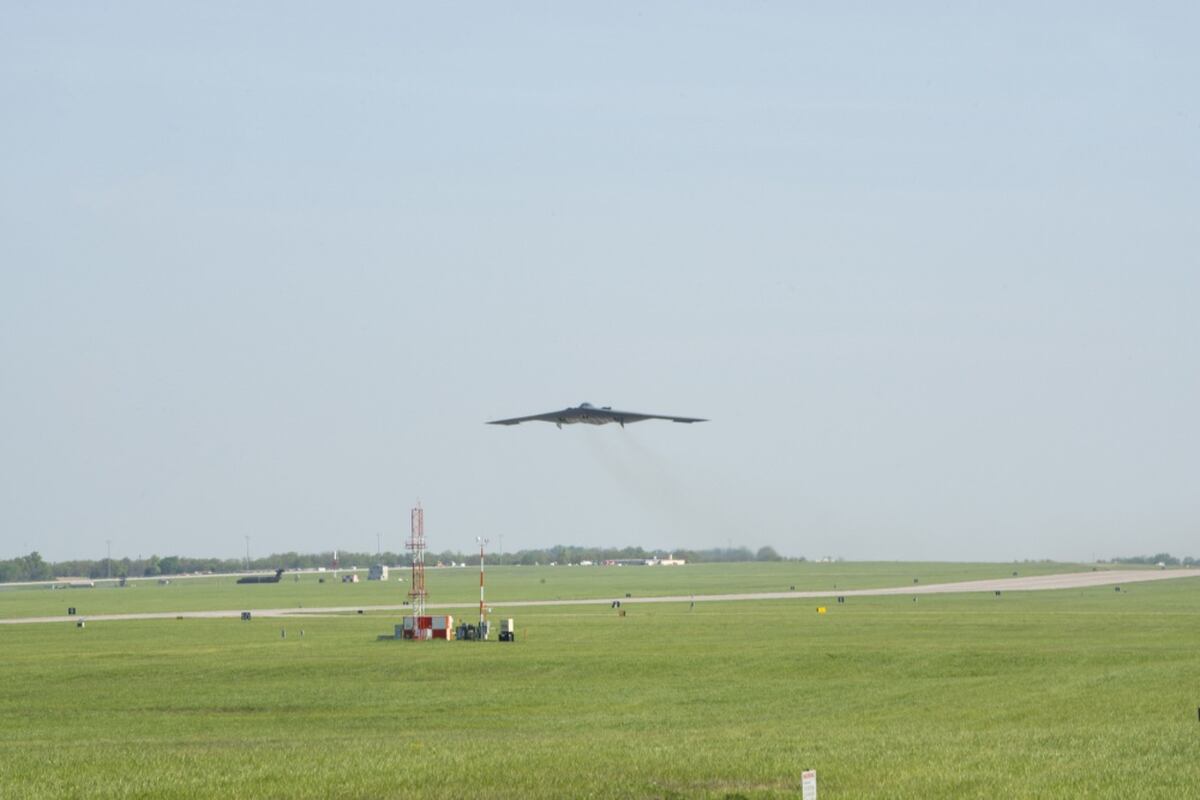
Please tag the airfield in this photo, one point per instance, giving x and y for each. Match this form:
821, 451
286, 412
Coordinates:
720, 680
1072, 580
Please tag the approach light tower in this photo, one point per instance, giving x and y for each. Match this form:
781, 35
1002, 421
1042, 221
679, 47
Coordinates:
482, 541
416, 545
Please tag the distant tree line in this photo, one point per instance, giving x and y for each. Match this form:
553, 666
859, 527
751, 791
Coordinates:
1157, 558
26, 568
34, 568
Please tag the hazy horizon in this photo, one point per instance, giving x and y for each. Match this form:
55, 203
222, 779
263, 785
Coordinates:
400, 561
930, 272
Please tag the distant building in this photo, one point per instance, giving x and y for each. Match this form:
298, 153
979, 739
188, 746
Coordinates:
74, 583
351, 578
669, 561
378, 572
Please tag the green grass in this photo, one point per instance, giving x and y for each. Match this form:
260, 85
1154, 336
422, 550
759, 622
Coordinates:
1041, 694
461, 585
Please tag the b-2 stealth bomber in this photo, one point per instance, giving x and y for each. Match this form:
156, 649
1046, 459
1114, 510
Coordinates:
586, 413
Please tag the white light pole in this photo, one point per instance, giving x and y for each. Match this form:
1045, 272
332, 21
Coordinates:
109, 558
482, 541
247, 552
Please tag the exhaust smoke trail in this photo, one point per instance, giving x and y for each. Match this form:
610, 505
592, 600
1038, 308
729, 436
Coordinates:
685, 512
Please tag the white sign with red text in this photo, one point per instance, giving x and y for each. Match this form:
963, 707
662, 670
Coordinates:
808, 785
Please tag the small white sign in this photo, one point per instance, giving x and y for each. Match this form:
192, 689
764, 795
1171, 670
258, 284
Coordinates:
808, 785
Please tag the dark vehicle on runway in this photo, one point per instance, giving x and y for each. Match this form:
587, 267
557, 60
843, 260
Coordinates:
262, 578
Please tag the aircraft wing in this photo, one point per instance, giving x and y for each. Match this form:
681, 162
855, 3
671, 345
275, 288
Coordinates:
552, 416
632, 416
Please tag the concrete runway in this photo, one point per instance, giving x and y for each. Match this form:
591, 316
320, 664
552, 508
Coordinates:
1071, 580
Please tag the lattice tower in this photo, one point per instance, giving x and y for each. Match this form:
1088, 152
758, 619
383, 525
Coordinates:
416, 547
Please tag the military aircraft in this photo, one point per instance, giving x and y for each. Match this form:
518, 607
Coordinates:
262, 578
590, 415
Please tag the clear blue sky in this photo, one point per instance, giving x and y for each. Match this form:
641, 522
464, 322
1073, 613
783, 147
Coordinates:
265, 269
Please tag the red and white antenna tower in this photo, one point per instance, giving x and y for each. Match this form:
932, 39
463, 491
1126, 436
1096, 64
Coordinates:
416, 545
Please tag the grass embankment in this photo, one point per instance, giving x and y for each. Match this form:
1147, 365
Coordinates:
1046, 694
461, 585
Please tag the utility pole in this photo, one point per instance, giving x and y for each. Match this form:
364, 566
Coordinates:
482, 541
247, 552
108, 559
378, 544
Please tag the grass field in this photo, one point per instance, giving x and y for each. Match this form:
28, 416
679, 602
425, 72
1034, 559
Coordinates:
1042, 694
459, 585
